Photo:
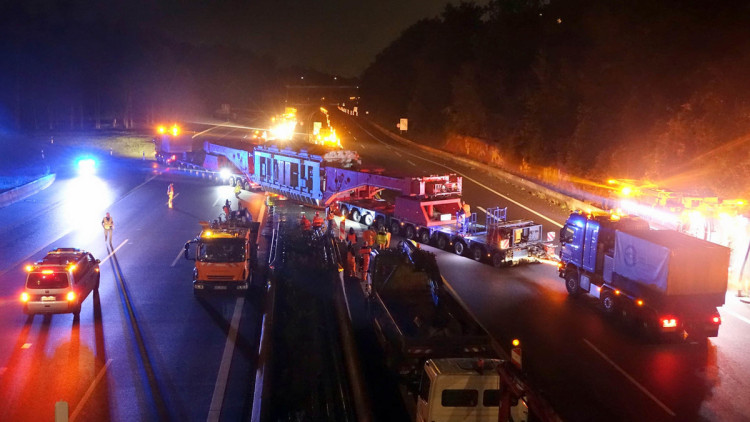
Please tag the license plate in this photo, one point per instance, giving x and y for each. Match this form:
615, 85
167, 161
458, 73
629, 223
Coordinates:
220, 287
48, 298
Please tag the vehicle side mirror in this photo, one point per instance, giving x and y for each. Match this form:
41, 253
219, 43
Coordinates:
187, 251
98, 261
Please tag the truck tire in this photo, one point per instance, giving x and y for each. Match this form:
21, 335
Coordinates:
367, 219
395, 227
572, 283
459, 248
424, 236
409, 232
442, 242
609, 304
344, 211
356, 215
477, 253
498, 259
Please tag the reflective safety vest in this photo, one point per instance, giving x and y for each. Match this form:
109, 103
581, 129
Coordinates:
382, 239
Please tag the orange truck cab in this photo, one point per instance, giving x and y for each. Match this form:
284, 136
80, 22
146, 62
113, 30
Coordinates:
225, 255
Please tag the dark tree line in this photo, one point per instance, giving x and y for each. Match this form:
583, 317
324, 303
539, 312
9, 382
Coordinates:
66, 72
626, 88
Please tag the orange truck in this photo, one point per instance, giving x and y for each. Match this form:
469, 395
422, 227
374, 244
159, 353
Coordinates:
225, 255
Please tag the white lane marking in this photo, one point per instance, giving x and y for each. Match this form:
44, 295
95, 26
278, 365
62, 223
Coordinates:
179, 254
361, 145
482, 209
115, 250
410, 162
90, 391
397, 153
736, 315
631, 379
221, 379
207, 130
354, 137
469, 178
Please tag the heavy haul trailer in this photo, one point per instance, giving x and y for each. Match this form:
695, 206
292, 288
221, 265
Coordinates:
435, 221
231, 163
669, 282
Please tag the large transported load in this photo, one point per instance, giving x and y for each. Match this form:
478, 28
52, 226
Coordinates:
669, 282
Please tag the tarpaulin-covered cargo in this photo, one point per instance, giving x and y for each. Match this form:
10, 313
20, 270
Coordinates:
665, 264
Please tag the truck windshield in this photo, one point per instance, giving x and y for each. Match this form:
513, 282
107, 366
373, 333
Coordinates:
222, 250
56, 280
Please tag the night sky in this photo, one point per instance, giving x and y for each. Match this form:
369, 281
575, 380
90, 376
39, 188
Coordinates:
338, 37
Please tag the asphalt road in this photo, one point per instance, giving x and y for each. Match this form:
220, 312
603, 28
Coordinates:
145, 348
590, 368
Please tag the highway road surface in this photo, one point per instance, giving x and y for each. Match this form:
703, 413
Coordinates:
145, 348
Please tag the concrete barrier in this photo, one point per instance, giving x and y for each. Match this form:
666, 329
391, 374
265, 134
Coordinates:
22, 192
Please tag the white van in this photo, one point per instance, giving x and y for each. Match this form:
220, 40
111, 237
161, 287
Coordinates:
60, 282
462, 389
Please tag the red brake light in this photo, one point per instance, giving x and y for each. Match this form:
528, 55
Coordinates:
716, 319
669, 322
24, 297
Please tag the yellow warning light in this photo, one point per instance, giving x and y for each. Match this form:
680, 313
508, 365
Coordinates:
626, 191
71, 267
24, 297
29, 268
175, 130
71, 296
639, 302
516, 342
207, 234
47, 272
162, 129
611, 181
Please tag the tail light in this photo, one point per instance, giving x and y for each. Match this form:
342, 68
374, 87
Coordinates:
668, 322
24, 297
71, 296
716, 319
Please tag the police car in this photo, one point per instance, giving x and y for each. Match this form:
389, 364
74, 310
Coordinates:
60, 282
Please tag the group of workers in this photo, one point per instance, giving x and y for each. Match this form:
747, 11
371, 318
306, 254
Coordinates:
355, 250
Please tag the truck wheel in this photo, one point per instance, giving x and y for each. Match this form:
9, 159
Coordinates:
459, 248
572, 283
424, 237
608, 302
442, 242
395, 227
498, 259
356, 215
367, 219
410, 233
477, 253
344, 211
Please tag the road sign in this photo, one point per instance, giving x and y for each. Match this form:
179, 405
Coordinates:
550, 236
404, 124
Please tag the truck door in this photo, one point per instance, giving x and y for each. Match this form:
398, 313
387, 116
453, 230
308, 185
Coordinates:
589, 246
571, 239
